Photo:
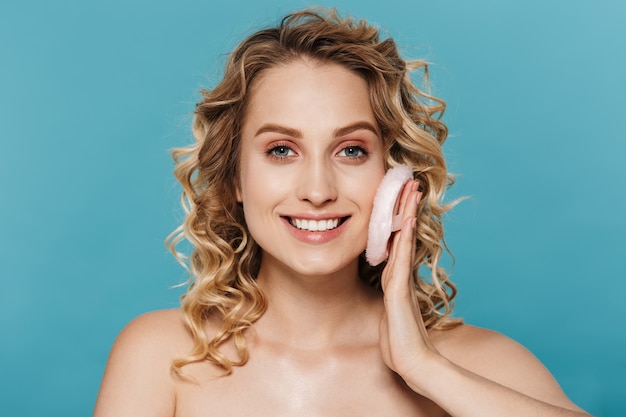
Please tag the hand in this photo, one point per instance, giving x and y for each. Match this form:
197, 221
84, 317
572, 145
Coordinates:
475, 387
403, 337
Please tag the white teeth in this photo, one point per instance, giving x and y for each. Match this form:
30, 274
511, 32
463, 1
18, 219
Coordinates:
315, 225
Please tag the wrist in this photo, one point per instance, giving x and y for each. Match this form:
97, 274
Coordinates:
424, 376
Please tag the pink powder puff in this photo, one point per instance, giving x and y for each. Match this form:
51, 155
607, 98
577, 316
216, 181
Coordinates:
381, 222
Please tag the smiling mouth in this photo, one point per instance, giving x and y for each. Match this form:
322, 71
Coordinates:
316, 225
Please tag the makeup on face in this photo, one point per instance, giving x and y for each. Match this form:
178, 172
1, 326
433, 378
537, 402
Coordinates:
311, 159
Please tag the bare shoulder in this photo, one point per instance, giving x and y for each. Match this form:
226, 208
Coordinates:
479, 349
163, 326
137, 379
468, 341
488, 353
152, 337
501, 359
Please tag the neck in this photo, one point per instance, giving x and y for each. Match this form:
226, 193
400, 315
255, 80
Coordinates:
319, 311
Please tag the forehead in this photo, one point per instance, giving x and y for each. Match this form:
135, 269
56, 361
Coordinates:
307, 88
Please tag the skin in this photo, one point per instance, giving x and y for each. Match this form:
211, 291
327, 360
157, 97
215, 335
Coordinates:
328, 345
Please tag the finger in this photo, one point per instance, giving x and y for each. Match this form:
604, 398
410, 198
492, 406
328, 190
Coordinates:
409, 203
407, 189
404, 245
401, 203
398, 272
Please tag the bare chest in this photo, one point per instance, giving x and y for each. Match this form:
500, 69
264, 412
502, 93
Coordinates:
353, 383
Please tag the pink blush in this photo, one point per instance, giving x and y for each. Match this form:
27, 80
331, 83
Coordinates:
381, 222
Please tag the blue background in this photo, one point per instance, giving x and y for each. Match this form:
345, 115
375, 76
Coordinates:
94, 94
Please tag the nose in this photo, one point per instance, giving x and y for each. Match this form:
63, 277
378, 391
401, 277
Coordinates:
317, 183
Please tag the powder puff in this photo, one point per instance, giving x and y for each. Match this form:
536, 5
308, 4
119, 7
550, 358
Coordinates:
382, 220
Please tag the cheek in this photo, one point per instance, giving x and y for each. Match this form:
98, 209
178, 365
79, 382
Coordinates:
369, 185
249, 175
258, 185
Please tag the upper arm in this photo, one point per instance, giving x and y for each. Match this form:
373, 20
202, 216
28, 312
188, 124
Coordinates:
137, 379
506, 362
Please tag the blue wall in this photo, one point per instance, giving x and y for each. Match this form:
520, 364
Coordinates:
93, 94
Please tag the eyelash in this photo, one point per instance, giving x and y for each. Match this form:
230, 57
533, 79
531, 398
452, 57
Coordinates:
363, 152
283, 147
270, 151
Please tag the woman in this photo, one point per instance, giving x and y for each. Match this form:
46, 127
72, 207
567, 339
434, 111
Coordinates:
283, 316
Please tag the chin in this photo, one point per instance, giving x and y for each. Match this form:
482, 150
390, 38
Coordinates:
321, 266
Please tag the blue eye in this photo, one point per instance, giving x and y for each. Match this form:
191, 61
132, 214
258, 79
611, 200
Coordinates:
281, 151
353, 152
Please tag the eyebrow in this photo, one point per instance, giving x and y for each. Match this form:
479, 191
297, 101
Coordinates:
342, 131
295, 133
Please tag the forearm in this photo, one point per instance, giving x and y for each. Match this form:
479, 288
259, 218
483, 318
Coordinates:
463, 393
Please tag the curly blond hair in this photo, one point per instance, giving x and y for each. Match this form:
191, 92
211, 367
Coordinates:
225, 259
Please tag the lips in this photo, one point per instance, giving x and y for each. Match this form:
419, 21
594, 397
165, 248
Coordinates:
312, 225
